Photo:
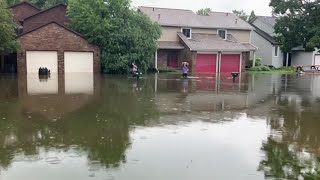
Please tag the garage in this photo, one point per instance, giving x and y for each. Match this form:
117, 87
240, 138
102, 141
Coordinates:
206, 63
230, 63
37, 59
317, 59
78, 62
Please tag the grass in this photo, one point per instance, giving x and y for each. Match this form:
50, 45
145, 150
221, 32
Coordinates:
268, 70
167, 69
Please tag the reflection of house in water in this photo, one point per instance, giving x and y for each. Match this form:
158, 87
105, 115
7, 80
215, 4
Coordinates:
57, 94
215, 94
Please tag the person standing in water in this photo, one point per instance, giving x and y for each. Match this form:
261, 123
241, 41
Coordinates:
185, 69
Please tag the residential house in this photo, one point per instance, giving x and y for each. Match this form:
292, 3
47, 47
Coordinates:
263, 38
46, 41
220, 42
269, 51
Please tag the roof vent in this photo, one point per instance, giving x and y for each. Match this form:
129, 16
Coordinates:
227, 14
159, 16
153, 9
236, 21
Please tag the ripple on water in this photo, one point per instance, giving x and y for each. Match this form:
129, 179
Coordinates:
53, 160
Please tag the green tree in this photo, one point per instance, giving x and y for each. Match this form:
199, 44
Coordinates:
241, 14
204, 12
7, 30
123, 34
298, 23
252, 16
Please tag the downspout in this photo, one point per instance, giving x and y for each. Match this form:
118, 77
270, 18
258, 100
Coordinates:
156, 60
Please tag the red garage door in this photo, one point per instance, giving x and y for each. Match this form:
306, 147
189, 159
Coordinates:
230, 63
206, 63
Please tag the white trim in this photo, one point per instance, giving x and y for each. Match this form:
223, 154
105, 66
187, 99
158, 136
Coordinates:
226, 33
156, 60
217, 63
190, 32
240, 68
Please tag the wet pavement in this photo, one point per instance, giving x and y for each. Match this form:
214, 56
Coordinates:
84, 126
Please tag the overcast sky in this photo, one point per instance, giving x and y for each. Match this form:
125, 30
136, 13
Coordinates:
261, 7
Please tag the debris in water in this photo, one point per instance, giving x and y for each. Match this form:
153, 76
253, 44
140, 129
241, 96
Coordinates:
3, 118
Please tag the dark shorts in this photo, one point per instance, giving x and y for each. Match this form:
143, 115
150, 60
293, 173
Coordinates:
185, 75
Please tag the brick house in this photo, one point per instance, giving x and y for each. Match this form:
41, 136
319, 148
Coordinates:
46, 41
220, 42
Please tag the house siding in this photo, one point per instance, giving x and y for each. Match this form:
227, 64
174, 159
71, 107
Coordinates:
23, 11
170, 33
55, 38
265, 48
57, 14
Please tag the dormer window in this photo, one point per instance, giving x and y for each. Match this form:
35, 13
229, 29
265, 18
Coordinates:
187, 32
222, 33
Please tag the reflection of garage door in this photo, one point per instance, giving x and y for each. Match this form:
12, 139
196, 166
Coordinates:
230, 63
78, 61
206, 63
37, 59
317, 59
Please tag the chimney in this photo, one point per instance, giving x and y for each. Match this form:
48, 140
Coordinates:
153, 9
159, 16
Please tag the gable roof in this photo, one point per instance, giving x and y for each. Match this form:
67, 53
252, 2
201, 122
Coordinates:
265, 35
24, 2
43, 11
212, 43
187, 18
72, 31
268, 20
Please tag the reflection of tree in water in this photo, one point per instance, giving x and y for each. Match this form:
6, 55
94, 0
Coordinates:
100, 129
299, 136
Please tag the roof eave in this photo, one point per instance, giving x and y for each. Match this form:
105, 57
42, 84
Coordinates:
203, 27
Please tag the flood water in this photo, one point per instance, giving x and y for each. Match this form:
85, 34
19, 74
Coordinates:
84, 127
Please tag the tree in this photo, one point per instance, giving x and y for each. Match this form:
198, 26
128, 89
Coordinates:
298, 23
241, 14
7, 30
123, 34
43, 4
204, 12
252, 16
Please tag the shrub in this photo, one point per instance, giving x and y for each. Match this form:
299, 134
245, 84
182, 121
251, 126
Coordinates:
258, 62
167, 69
260, 68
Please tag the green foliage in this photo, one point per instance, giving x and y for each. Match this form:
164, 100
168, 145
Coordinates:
123, 34
8, 41
241, 14
260, 68
252, 16
298, 24
167, 69
43, 4
204, 12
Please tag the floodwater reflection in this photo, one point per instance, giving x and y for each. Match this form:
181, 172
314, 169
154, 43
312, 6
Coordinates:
161, 127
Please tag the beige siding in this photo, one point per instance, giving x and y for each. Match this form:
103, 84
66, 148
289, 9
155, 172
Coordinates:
170, 34
205, 31
241, 35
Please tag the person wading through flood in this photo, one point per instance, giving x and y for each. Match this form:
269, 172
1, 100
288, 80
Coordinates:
185, 69
135, 71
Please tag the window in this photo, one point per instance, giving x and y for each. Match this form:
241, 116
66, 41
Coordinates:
276, 50
222, 34
187, 32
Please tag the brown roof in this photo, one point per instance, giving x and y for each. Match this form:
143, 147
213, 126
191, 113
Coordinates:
169, 45
212, 43
187, 18
46, 10
24, 2
72, 31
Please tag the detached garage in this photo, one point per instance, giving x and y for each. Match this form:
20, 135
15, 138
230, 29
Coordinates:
57, 48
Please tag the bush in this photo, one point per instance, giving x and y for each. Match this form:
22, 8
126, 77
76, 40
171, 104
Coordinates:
258, 62
167, 69
286, 68
260, 68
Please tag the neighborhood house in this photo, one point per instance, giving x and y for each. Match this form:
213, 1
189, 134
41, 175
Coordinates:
219, 42
46, 41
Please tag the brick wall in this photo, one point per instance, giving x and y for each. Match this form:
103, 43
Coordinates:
186, 55
57, 14
55, 38
23, 11
162, 58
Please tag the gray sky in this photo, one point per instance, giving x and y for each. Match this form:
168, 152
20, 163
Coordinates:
261, 7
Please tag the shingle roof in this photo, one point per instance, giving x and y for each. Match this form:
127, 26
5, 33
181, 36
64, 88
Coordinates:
265, 35
46, 10
187, 18
249, 46
268, 20
212, 43
169, 45
25, 2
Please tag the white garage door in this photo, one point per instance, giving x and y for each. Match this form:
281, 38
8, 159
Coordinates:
37, 59
317, 59
78, 62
